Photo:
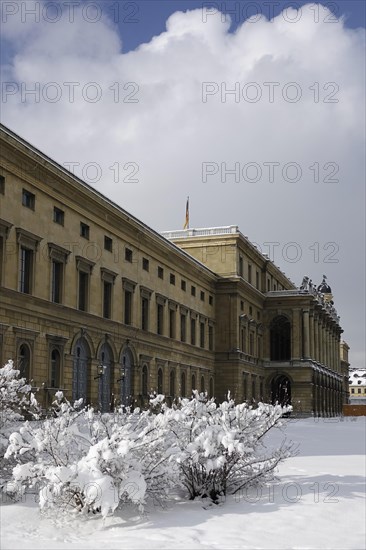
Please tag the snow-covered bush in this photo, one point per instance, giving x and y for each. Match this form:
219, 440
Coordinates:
91, 462
16, 401
85, 461
220, 447
15, 396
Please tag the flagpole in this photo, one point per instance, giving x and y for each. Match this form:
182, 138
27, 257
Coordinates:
186, 223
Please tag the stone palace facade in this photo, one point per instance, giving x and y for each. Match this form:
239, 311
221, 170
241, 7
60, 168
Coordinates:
94, 302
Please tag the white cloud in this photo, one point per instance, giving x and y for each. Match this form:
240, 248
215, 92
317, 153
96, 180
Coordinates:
170, 131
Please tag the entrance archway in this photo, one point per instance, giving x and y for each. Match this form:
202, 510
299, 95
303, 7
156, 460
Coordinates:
281, 390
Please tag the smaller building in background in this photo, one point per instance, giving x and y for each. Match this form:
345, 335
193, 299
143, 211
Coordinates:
357, 386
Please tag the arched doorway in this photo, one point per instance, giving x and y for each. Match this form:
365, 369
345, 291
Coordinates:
80, 370
280, 339
126, 379
281, 390
104, 386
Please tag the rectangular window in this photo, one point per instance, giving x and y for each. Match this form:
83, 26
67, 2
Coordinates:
84, 230
28, 199
268, 285
352, 390
183, 285
144, 313
26, 269
358, 390
210, 300
172, 323
128, 255
57, 281
249, 274
58, 215
193, 290
202, 296
210, 338
108, 243
241, 305
241, 268
160, 272
128, 307
250, 310
257, 280
172, 279
55, 369
202, 334
183, 327
2, 185
145, 264
244, 340
251, 343
193, 332
107, 299
160, 318
83, 291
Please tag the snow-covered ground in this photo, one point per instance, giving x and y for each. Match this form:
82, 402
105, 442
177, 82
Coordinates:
318, 502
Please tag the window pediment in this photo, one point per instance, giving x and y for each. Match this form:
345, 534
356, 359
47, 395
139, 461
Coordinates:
83, 264
145, 292
58, 253
128, 284
108, 275
5, 228
28, 239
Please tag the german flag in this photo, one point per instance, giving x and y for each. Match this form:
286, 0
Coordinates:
186, 224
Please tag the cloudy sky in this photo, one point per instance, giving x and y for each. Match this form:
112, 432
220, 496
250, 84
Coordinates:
256, 114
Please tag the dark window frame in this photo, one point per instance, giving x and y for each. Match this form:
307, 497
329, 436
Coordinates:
28, 199
58, 216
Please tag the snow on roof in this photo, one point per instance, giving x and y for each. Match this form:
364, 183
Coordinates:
357, 377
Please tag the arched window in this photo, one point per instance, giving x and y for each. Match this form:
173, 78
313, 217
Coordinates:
24, 361
202, 384
126, 377
81, 366
193, 382
172, 383
211, 387
280, 339
145, 380
183, 384
160, 381
55, 374
105, 382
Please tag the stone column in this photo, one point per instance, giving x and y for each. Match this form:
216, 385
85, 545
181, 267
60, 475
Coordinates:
334, 362
326, 341
329, 348
296, 335
321, 342
316, 339
312, 336
306, 342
